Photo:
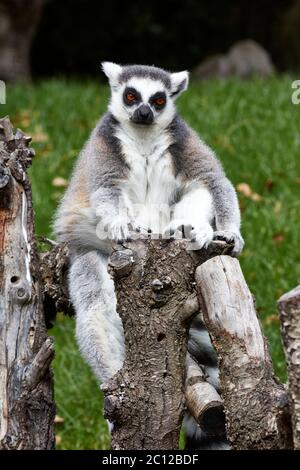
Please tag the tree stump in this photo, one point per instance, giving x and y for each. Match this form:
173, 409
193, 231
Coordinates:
156, 300
27, 408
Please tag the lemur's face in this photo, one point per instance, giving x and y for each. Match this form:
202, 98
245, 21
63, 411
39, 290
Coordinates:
143, 96
144, 101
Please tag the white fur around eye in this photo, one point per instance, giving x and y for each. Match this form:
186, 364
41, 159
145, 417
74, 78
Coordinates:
146, 86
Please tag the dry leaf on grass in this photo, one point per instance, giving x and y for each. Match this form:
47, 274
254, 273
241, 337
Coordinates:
256, 197
59, 182
58, 419
39, 135
278, 238
22, 119
246, 190
271, 319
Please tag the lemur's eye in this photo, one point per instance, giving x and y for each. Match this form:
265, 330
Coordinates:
130, 97
160, 101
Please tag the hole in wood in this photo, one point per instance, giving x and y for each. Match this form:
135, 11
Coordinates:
161, 336
213, 421
14, 279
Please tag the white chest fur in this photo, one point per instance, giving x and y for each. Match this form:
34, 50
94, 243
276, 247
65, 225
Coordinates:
151, 183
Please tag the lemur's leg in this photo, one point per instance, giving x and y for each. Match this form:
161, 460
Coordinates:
99, 328
194, 215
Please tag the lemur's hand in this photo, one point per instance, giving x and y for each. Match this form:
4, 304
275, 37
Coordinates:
199, 235
231, 237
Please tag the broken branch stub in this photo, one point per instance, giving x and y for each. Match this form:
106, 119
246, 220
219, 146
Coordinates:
202, 400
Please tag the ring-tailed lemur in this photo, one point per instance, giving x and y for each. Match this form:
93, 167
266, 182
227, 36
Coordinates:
142, 169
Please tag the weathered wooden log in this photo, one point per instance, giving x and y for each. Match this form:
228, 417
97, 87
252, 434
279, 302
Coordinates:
155, 291
26, 390
202, 399
289, 309
256, 404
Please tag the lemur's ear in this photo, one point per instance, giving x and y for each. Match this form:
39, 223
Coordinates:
179, 82
112, 71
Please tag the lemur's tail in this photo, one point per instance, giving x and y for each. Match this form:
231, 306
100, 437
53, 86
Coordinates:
202, 351
99, 328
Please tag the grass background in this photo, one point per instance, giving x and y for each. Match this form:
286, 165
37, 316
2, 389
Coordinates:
253, 127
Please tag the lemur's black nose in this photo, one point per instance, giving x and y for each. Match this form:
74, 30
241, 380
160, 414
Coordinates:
143, 115
144, 111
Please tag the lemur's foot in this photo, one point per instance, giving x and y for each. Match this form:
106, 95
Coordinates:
231, 237
178, 228
199, 235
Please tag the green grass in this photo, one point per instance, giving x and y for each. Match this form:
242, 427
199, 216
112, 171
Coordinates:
254, 129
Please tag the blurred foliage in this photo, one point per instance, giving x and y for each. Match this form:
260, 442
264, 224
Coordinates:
289, 36
254, 129
75, 35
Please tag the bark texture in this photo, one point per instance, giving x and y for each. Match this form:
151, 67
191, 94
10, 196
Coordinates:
256, 404
289, 309
27, 408
54, 266
156, 299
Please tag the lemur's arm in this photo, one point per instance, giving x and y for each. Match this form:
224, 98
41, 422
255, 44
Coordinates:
197, 164
226, 206
227, 212
108, 202
114, 213
225, 201
105, 202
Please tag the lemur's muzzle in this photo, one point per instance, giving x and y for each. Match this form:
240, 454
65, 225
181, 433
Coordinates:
143, 115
